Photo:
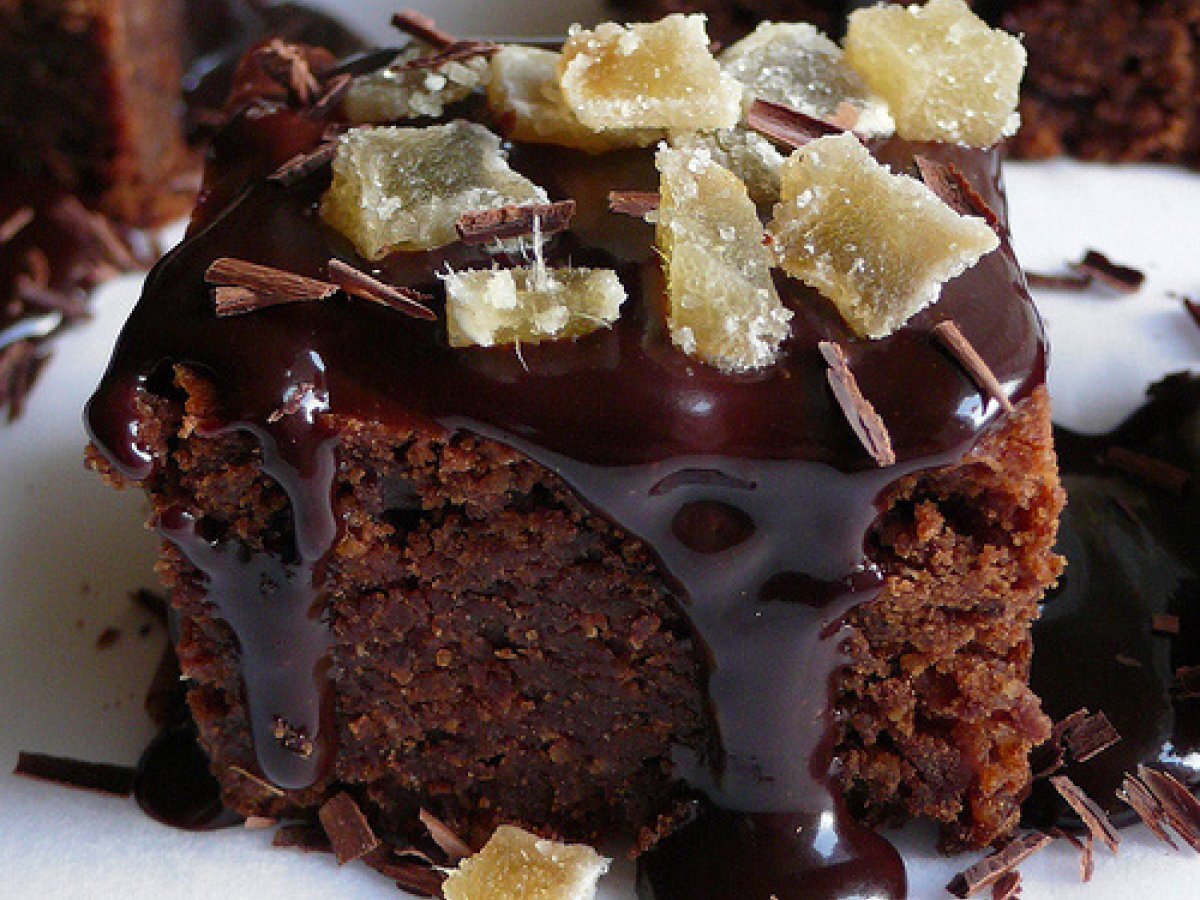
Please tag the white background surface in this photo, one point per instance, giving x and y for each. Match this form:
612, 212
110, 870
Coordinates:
71, 550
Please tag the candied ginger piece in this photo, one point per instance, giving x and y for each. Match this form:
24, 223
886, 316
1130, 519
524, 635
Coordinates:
517, 865
724, 309
486, 307
654, 75
946, 74
745, 153
878, 245
404, 188
402, 91
795, 64
525, 97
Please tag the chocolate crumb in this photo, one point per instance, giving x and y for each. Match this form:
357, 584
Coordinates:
302, 165
507, 222
787, 126
1165, 623
294, 740
1007, 887
307, 838
1123, 279
992, 868
955, 343
1093, 816
1147, 469
638, 204
423, 28
89, 776
358, 283
1137, 796
450, 843
347, 828
15, 223
866, 423
107, 638
949, 183
1074, 281
1180, 807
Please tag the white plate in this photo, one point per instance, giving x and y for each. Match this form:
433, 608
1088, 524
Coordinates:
71, 550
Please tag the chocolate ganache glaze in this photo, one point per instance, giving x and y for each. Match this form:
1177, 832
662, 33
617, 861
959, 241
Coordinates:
751, 489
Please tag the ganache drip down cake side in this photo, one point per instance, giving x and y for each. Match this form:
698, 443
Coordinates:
714, 512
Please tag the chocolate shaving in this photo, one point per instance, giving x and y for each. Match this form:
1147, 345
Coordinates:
423, 28
1136, 795
302, 165
261, 783
459, 51
349, 832
1093, 816
1087, 860
1075, 281
786, 125
1165, 623
866, 423
307, 838
358, 283
1147, 469
412, 874
286, 65
955, 343
955, 189
450, 843
992, 868
506, 222
1089, 737
114, 246
1007, 887
1129, 662
75, 773
331, 96
15, 223
1124, 279
1187, 681
259, 823
1180, 807
1193, 308
638, 204
19, 366
257, 287
31, 293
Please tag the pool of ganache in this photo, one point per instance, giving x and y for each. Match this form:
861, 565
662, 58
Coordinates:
667, 448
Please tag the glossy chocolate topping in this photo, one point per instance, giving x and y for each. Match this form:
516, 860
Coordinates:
1133, 552
752, 490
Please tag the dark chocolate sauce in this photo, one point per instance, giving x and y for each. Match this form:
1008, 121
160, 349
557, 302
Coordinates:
752, 489
1133, 550
174, 786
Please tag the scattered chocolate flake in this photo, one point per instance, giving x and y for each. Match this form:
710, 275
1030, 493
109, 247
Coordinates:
331, 96
1007, 887
261, 783
1136, 795
1147, 469
256, 287
76, 773
1087, 860
42, 297
992, 868
286, 65
294, 740
19, 366
411, 871
302, 165
638, 204
259, 823
358, 283
1125, 279
786, 125
111, 242
450, 843
1165, 623
308, 838
507, 222
458, 51
349, 833
294, 402
423, 28
15, 223
955, 343
1084, 735
1187, 681
859, 412
1193, 308
107, 638
1093, 816
1180, 807
955, 189
1074, 281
